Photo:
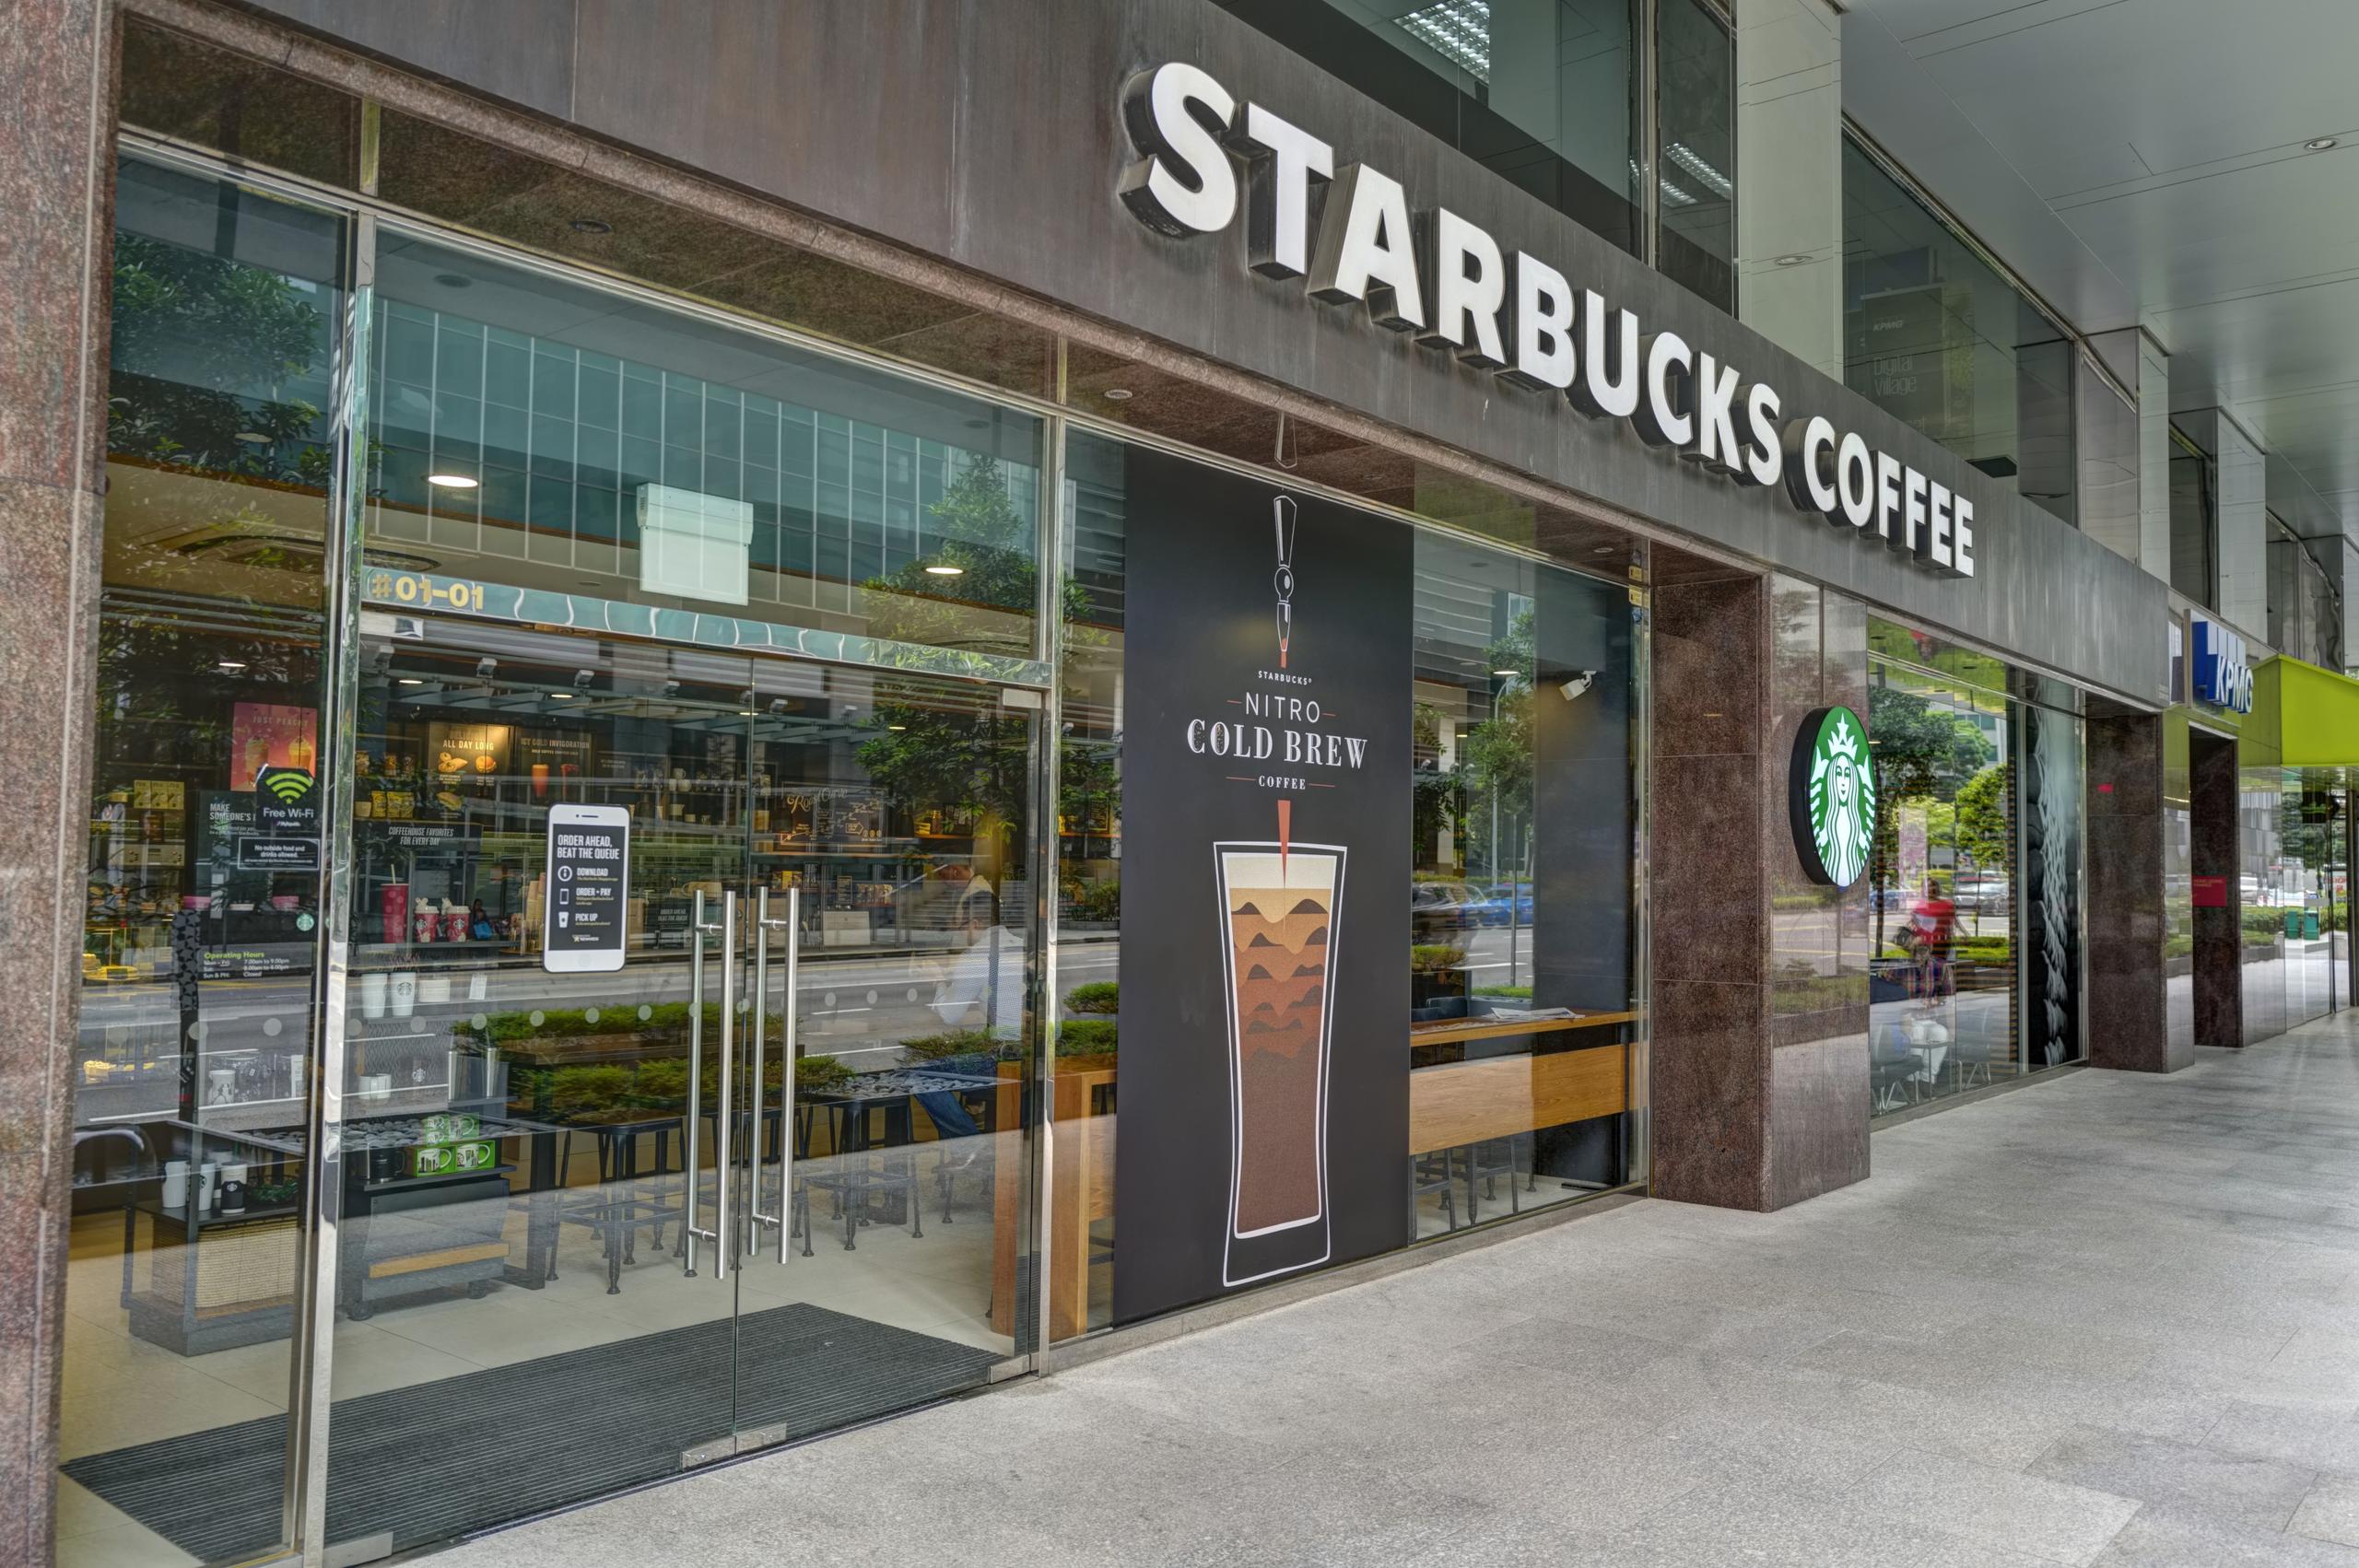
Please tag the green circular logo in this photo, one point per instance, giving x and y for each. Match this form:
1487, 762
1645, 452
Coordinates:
1833, 796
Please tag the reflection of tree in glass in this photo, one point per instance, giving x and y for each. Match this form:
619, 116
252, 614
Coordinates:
1495, 755
203, 348
934, 754
1925, 754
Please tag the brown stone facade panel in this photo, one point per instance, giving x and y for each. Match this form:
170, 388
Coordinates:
2213, 783
1708, 897
1818, 1115
1708, 1081
2129, 1024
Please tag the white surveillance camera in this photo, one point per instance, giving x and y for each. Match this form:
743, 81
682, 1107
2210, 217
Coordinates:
581, 679
486, 668
1576, 685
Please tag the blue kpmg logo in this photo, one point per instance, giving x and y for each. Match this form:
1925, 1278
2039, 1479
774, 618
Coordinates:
2222, 674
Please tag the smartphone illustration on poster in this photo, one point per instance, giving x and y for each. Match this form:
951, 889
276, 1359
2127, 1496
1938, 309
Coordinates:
589, 874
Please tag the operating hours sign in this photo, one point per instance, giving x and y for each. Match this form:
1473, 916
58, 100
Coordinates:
586, 889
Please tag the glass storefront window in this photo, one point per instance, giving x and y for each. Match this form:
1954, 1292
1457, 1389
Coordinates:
539, 434
1976, 908
1943, 982
1543, 92
205, 854
1521, 965
1937, 338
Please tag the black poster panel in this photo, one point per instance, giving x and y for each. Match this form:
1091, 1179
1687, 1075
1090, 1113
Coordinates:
1265, 886
1585, 829
1581, 802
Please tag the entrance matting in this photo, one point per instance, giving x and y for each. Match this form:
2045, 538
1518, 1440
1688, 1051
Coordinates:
437, 1460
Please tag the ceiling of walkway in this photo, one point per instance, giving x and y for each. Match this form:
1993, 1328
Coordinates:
2144, 162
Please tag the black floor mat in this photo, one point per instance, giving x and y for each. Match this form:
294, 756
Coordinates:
437, 1460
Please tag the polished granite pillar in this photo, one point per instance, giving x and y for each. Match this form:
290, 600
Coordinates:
1759, 1061
2128, 1022
55, 137
2213, 781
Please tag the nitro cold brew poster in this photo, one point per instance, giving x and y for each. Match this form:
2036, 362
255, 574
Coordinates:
1264, 1121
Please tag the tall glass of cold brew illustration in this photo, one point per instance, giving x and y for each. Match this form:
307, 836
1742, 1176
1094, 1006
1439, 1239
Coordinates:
1279, 908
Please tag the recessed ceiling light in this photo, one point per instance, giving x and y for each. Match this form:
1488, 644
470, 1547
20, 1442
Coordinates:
454, 280
230, 666
1120, 394
562, 696
410, 681
945, 571
252, 437
593, 226
1793, 261
1507, 674
2320, 144
1606, 550
452, 481
897, 726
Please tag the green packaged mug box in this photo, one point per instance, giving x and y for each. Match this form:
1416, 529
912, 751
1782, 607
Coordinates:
451, 1159
450, 1127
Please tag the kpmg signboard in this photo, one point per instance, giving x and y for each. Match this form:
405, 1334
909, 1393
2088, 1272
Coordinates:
1447, 281
2222, 672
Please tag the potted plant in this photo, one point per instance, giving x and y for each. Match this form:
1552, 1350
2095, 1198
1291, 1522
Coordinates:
1437, 980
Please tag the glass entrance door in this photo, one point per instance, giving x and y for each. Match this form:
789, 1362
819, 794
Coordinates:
721, 1155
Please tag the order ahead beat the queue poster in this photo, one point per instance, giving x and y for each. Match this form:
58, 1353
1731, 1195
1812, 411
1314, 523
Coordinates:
1265, 878
586, 889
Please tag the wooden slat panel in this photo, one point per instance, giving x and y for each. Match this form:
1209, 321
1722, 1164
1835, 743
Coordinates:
1467, 1102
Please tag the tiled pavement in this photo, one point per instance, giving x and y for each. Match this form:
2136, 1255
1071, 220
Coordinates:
2109, 1319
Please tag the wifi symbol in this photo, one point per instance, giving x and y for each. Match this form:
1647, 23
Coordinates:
290, 787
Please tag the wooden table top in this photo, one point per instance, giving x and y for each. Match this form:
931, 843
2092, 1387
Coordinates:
1491, 1027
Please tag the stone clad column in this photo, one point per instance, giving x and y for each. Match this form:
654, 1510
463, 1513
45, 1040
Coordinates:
2128, 1024
1759, 1059
56, 184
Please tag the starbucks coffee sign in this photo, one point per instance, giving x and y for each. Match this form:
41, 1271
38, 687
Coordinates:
1512, 316
1832, 795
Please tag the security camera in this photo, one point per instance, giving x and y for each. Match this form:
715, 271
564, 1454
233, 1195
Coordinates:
581, 679
1576, 685
671, 688
486, 668
778, 705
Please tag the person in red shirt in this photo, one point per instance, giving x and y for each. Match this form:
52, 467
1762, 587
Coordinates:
1932, 929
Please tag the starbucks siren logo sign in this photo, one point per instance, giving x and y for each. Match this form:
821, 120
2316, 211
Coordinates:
1832, 793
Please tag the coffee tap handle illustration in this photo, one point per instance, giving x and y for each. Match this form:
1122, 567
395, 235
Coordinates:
1282, 521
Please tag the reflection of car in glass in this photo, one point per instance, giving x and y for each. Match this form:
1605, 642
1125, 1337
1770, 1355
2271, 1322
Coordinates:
1437, 908
1987, 892
1491, 905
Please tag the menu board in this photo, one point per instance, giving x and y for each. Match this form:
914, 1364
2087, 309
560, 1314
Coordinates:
587, 890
